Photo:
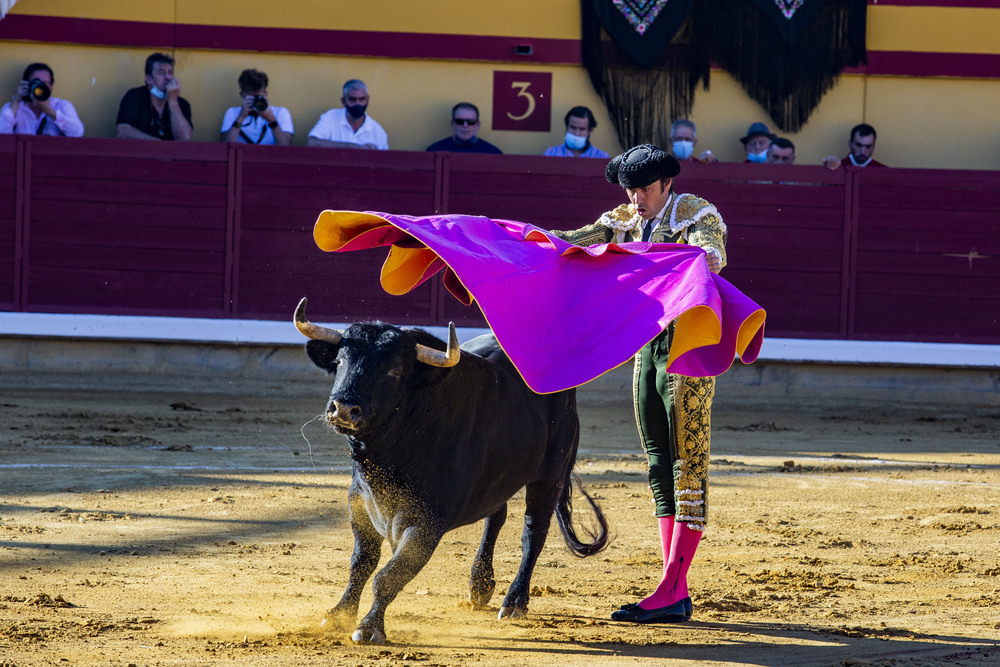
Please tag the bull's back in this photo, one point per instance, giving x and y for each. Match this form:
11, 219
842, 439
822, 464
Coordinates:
519, 436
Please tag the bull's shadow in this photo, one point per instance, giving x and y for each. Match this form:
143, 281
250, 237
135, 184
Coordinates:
750, 643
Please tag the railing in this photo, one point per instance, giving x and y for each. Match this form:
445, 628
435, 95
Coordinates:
104, 226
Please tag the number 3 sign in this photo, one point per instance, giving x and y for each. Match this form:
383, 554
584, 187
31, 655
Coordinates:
522, 101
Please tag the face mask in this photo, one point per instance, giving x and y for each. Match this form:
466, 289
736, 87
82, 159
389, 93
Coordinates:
157, 93
357, 111
759, 158
683, 149
574, 141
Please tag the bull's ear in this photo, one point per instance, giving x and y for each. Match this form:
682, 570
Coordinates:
323, 354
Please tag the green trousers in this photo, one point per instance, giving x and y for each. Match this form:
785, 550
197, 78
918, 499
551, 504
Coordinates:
673, 413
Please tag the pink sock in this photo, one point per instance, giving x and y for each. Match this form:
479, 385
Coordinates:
683, 544
666, 524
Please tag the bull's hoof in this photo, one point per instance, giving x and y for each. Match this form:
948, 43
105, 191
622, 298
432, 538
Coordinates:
513, 612
480, 596
368, 636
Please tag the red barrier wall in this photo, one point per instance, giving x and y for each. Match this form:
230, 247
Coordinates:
214, 230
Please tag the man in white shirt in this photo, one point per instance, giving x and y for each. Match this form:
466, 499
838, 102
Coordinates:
349, 127
256, 121
33, 109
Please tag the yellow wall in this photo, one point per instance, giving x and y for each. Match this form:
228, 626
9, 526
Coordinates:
922, 122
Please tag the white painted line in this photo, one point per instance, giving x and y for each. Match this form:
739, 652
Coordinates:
270, 332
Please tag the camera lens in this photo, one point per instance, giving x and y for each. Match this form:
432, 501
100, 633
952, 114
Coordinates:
259, 103
38, 90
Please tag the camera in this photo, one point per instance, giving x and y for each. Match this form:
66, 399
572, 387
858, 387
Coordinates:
38, 90
259, 103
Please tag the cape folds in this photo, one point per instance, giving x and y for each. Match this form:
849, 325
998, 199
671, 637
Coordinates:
564, 314
785, 53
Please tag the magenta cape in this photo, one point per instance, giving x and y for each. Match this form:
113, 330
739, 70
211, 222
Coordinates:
563, 314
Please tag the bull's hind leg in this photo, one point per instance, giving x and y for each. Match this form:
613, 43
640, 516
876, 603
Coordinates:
412, 552
367, 551
482, 583
540, 503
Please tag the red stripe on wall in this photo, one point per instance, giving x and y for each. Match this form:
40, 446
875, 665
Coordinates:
288, 40
86, 31
411, 45
909, 63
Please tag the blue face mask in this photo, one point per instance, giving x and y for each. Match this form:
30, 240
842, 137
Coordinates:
157, 93
683, 149
759, 158
574, 141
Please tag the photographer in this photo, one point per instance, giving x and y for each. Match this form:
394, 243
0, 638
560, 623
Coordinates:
33, 109
256, 121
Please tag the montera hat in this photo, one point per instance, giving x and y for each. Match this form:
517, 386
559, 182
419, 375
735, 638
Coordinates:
641, 165
757, 130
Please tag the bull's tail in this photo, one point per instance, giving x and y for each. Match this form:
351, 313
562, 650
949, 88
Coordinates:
598, 534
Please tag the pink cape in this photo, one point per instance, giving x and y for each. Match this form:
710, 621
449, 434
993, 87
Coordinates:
564, 314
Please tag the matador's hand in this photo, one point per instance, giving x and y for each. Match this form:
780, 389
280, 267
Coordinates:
714, 259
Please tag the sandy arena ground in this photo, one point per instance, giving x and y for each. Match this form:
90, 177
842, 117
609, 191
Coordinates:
146, 522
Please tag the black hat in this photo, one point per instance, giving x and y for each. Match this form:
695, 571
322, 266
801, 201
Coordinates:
757, 130
641, 165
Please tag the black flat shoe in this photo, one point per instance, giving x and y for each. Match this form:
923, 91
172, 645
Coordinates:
633, 613
688, 607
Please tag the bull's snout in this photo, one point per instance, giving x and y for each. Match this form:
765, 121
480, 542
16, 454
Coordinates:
345, 416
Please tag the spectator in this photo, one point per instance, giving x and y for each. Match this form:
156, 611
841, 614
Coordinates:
580, 123
464, 128
33, 110
756, 143
861, 145
255, 121
349, 127
683, 138
156, 111
781, 151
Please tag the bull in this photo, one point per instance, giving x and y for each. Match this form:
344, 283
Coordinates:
442, 436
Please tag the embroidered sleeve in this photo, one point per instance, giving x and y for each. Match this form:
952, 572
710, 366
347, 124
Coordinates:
702, 224
603, 231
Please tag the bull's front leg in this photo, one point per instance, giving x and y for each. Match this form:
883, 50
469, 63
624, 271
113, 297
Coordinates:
414, 547
540, 503
482, 583
364, 560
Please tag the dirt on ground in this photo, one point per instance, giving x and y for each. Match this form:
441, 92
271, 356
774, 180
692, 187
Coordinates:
163, 521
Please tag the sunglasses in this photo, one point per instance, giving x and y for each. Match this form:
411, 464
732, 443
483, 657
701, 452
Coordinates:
464, 121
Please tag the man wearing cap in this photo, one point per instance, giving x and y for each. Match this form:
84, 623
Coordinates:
756, 143
673, 412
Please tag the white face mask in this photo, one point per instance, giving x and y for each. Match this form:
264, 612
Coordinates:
157, 93
759, 158
575, 142
683, 149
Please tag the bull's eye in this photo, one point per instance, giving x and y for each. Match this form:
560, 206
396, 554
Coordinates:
396, 373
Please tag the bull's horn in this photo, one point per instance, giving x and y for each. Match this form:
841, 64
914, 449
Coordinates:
446, 359
314, 331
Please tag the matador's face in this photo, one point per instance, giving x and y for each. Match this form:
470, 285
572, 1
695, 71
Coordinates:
651, 199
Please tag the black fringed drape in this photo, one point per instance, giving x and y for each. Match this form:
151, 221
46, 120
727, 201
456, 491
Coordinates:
786, 54
647, 78
646, 57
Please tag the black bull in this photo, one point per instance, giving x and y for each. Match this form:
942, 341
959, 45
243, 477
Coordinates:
441, 439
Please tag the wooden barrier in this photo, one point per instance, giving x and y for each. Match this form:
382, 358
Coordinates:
105, 226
